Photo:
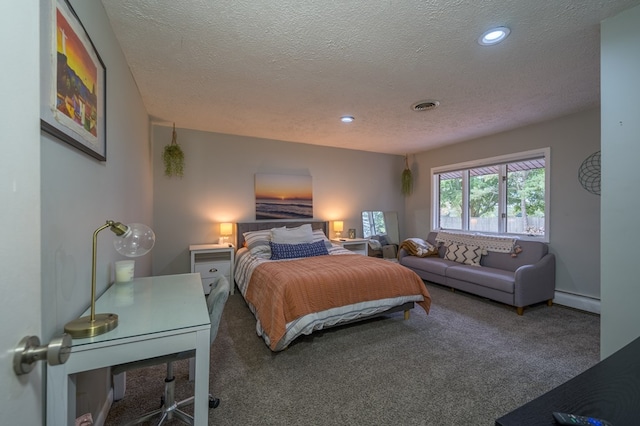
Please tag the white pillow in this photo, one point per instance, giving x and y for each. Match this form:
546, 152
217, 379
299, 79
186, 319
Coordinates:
258, 242
469, 255
300, 234
318, 235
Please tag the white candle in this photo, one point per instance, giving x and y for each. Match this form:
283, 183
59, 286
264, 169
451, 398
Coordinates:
124, 270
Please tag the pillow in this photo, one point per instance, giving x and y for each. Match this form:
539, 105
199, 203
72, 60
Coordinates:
374, 244
258, 242
300, 234
469, 255
294, 251
318, 235
419, 247
384, 240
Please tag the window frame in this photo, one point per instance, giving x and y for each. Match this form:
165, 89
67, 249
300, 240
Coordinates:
502, 203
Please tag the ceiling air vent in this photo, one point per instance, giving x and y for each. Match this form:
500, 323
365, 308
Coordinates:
425, 105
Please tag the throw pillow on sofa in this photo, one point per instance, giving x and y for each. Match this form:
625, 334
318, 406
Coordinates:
469, 255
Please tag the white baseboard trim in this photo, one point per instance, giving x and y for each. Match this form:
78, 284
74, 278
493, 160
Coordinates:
101, 417
583, 303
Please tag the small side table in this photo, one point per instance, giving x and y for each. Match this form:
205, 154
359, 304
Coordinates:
356, 245
212, 261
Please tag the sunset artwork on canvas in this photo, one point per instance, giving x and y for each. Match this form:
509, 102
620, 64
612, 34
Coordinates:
76, 77
283, 197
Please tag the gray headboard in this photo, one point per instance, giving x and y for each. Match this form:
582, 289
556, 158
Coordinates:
243, 227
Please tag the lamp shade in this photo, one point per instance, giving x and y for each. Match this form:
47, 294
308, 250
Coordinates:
137, 240
226, 228
338, 225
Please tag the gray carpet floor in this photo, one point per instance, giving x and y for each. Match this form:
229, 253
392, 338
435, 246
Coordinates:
468, 362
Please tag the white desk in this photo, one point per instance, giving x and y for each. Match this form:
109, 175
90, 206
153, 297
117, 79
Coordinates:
156, 316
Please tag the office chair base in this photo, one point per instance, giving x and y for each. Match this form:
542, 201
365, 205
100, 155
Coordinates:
165, 413
169, 409
213, 402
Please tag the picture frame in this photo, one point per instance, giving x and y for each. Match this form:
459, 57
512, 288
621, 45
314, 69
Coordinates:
283, 196
73, 82
352, 233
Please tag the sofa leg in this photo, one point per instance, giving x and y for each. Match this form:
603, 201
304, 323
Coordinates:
406, 314
520, 310
550, 302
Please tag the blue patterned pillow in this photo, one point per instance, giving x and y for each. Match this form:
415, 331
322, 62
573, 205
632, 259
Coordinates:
294, 251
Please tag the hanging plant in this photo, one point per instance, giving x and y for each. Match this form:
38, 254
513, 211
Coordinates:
407, 177
173, 157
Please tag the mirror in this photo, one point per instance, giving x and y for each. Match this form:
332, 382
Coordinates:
381, 223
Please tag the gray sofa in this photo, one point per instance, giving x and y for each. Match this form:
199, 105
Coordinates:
520, 281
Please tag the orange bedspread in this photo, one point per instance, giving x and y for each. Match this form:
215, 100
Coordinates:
286, 290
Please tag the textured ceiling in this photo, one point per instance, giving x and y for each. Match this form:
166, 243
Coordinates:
288, 69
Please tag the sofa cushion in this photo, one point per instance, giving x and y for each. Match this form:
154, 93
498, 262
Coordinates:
469, 255
532, 252
497, 279
435, 265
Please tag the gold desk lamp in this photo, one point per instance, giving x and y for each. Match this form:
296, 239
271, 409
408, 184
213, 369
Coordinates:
134, 240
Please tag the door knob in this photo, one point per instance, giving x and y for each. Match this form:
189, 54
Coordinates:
29, 351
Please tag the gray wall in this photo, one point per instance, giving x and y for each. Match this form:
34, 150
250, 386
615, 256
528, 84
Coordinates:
575, 213
218, 186
80, 193
620, 60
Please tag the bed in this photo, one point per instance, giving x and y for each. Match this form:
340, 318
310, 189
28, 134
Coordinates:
313, 284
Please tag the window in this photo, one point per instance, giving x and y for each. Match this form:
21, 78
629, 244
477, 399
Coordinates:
501, 195
373, 223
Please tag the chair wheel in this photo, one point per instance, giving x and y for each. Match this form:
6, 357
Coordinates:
214, 402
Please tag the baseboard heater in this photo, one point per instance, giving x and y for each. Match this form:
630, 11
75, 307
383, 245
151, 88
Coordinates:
577, 301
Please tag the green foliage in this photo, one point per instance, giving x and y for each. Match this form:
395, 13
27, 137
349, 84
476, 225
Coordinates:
173, 157
483, 197
526, 192
451, 197
407, 178
525, 195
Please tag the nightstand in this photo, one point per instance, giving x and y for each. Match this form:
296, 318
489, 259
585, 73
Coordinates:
356, 245
212, 261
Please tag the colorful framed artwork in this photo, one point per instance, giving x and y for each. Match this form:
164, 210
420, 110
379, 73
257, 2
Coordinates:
283, 197
73, 82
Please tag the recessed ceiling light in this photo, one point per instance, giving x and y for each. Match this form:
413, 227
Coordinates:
494, 36
346, 119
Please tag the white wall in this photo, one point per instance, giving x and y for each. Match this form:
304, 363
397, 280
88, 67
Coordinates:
575, 213
620, 68
218, 186
80, 193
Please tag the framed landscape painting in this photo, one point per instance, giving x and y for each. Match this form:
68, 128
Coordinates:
283, 197
73, 82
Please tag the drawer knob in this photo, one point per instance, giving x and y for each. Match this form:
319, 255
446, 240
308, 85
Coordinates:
213, 270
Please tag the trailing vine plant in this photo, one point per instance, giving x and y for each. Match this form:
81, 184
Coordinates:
173, 157
407, 178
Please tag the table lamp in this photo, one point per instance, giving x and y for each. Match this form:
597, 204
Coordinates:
133, 240
226, 230
338, 226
